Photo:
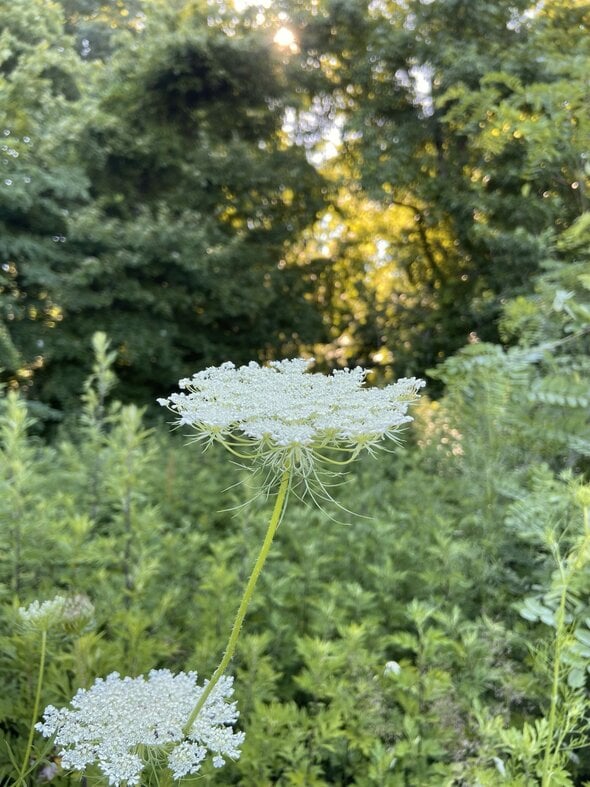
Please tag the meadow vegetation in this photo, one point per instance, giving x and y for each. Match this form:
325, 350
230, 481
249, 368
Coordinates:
431, 628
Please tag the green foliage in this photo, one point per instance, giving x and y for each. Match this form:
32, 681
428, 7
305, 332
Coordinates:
439, 634
97, 26
178, 161
153, 199
40, 179
467, 124
441, 637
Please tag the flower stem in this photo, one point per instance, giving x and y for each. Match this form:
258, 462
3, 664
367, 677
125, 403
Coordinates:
274, 522
557, 666
575, 563
25, 763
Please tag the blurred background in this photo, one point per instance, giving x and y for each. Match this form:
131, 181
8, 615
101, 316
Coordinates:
368, 182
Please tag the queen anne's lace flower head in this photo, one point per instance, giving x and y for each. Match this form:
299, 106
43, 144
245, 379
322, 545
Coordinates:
117, 718
72, 613
289, 416
43, 614
78, 612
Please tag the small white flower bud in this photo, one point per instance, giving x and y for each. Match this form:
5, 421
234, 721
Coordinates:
72, 613
78, 612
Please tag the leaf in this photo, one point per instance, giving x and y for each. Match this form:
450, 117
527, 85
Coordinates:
561, 298
576, 678
583, 636
532, 609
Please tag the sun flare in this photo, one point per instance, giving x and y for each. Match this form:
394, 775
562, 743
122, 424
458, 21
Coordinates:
284, 37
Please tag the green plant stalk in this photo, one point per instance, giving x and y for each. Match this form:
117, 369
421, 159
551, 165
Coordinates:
23, 770
17, 554
273, 524
550, 750
560, 620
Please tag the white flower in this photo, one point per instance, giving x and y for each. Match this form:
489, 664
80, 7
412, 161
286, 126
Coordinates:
392, 668
73, 613
288, 416
78, 612
43, 615
111, 723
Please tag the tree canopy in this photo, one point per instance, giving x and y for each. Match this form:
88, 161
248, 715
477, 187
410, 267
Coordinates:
374, 185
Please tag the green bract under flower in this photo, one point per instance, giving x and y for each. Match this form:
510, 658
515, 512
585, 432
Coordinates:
288, 416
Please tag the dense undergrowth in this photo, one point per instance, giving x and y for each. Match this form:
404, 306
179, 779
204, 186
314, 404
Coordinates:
431, 627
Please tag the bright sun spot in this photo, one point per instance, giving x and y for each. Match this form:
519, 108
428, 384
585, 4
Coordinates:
242, 5
285, 37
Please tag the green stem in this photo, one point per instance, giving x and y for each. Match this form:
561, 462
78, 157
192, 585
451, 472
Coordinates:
274, 522
577, 561
24, 766
560, 620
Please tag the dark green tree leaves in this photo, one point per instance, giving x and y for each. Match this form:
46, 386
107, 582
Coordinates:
194, 191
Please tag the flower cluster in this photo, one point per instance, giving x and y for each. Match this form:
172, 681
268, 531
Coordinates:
78, 612
43, 614
73, 613
290, 416
117, 718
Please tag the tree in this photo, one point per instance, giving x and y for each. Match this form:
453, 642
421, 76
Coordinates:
96, 26
471, 116
195, 192
40, 179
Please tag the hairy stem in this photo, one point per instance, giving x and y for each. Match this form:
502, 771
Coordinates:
274, 522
